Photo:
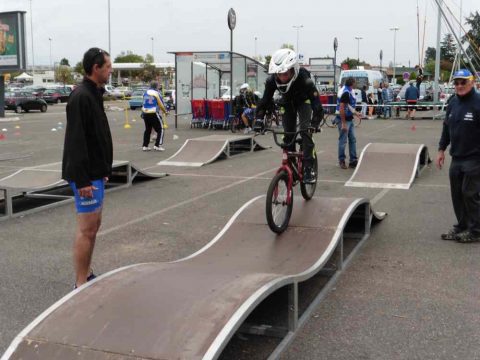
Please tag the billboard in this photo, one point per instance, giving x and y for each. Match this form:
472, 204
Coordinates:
12, 41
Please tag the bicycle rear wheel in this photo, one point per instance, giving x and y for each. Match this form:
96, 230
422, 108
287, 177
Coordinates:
235, 124
357, 120
330, 120
278, 209
309, 189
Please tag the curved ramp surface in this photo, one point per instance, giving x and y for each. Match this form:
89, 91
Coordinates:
390, 166
204, 150
189, 309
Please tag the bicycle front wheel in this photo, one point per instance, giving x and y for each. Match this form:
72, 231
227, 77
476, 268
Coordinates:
278, 208
309, 189
357, 120
235, 125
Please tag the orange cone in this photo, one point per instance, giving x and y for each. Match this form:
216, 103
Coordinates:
413, 128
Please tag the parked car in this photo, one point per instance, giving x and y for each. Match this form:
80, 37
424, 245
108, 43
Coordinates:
122, 92
136, 101
55, 96
169, 98
426, 93
24, 101
108, 90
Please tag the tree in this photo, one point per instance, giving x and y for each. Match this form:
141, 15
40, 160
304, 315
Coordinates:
149, 72
148, 58
287, 46
63, 74
267, 60
448, 48
64, 62
129, 57
79, 68
472, 36
430, 54
353, 63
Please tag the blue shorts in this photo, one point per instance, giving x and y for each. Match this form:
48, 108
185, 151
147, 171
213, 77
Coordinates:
88, 205
249, 113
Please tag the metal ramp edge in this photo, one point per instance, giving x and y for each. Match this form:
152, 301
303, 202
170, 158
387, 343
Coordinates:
355, 223
422, 159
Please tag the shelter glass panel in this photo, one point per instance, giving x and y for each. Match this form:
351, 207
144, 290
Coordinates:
239, 74
184, 80
213, 83
199, 83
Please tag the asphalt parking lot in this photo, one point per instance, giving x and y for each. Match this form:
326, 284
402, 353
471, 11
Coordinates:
407, 294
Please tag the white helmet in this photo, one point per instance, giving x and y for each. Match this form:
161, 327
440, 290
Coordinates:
244, 87
282, 61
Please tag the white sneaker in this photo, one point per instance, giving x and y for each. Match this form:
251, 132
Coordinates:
145, 148
247, 130
158, 148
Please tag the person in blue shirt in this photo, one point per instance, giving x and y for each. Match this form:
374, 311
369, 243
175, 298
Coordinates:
387, 96
346, 108
411, 97
151, 108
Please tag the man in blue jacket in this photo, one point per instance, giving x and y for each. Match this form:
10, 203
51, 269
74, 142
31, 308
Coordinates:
411, 97
461, 130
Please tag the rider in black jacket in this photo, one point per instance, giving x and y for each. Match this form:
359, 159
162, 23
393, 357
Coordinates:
299, 96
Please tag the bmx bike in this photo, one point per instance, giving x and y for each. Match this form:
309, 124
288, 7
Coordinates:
279, 202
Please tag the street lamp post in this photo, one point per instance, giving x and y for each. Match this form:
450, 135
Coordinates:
255, 38
394, 29
109, 41
31, 36
153, 57
298, 27
358, 38
50, 40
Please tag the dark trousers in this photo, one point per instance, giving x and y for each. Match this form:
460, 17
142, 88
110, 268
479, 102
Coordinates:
290, 125
465, 190
152, 121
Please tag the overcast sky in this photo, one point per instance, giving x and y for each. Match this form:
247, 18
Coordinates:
178, 25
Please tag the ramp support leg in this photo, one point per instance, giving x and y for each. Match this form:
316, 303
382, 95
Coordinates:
8, 203
340, 254
293, 307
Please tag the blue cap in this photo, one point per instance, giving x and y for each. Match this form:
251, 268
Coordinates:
462, 74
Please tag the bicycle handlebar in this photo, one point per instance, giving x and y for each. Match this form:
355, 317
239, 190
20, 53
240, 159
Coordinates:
310, 130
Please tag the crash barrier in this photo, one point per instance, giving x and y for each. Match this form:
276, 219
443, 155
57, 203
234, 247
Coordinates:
246, 280
210, 113
203, 150
389, 166
38, 188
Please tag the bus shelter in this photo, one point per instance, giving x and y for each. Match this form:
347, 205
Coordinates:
206, 75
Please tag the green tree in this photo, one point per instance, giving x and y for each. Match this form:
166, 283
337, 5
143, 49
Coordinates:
448, 48
267, 60
148, 58
353, 63
472, 36
430, 54
287, 46
128, 57
63, 74
149, 72
79, 68
64, 62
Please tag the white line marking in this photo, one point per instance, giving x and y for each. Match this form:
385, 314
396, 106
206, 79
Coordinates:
152, 215
380, 195
380, 130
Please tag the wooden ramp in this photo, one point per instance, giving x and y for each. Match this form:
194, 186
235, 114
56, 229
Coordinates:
389, 166
191, 308
41, 187
204, 150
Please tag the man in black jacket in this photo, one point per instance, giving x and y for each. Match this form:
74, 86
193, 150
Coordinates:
299, 97
88, 156
461, 130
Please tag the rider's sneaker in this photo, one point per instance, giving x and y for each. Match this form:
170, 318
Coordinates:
247, 130
158, 148
146, 148
309, 176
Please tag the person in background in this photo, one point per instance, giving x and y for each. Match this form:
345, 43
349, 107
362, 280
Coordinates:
371, 102
151, 108
380, 101
411, 97
419, 76
364, 101
387, 96
88, 156
461, 130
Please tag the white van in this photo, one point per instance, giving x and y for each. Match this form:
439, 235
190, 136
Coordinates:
369, 78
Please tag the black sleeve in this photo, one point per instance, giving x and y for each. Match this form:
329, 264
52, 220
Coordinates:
314, 98
266, 101
445, 138
75, 147
345, 98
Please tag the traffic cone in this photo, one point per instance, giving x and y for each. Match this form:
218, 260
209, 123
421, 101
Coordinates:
413, 128
2, 137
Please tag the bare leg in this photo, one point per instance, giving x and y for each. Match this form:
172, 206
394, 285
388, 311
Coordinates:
245, 120
87, 228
